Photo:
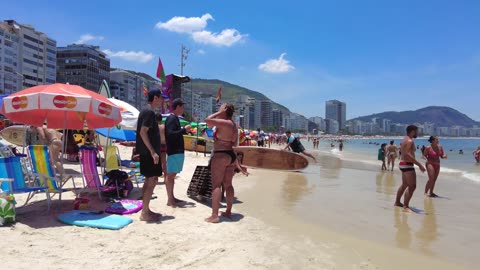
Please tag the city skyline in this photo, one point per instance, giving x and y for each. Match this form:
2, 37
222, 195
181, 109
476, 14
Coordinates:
402, 54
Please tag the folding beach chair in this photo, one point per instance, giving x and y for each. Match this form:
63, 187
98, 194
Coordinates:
44, 172
112, 158
11, 168
91, 178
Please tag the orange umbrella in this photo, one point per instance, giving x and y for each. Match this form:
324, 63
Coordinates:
61, 106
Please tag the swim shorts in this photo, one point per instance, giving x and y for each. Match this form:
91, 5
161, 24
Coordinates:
175, 163
148, 168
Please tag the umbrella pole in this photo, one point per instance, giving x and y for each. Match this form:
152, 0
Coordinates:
63, 138
196, 152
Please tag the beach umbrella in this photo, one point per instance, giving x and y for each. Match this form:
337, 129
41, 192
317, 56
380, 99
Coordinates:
117, 134
61, 106
128, 112
183, 122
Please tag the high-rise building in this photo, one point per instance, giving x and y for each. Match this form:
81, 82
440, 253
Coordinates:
263, 113
83, 65
27, 57
277, 118
128, 87
336, 110
331, 126
319, 121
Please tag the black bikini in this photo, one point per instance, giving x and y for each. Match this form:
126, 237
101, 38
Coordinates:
231, 153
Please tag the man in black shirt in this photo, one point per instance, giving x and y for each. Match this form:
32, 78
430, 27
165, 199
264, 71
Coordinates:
175, 148
148, 146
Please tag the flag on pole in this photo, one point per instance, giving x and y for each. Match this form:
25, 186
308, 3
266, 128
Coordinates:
160, 71
218, 98
145, 89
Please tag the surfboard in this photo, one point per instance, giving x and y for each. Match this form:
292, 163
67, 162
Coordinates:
125, 207
15, 134
272, 159
86, 218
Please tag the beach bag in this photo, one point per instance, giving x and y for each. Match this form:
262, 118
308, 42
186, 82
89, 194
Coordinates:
7, 209
120, 180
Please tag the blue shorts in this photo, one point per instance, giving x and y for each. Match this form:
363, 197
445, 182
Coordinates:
175, 163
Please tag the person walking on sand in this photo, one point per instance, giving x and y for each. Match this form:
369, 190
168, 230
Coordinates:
409, 177
296, 146
223, 160
148, 147
391, 154
476, 154
432, 154
163, 145
381, 155
175, 149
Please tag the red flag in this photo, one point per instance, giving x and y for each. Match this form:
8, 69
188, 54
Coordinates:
160, 71
218, 98
145, 89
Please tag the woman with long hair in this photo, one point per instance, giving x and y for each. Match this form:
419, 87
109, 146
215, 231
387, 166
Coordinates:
224, 160
432, 154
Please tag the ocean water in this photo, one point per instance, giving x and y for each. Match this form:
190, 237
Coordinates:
366, 150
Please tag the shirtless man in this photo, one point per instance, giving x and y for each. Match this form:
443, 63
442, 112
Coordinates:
391, 154
163, 146
49, 138
409, 178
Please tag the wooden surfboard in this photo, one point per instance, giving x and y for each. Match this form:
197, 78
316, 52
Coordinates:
272, 159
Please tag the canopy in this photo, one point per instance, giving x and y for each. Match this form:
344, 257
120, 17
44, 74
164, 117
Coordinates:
128, 112
117, 134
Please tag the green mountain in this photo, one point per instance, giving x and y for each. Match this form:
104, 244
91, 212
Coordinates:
440, 116
229, 91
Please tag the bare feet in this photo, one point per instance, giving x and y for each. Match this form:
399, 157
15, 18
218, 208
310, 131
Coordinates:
179, 201
226, 214
148, 217
398, 204
212, 219
172, 204
408, 210
150, 212
433, 195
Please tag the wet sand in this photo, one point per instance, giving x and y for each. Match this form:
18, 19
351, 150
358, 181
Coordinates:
350, 205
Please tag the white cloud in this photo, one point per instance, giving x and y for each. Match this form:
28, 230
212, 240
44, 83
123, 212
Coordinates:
195, 27
280, 65
202, 52
227, 37
185, 25
88, 37
134, 56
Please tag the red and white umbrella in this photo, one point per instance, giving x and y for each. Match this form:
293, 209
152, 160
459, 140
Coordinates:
61, 106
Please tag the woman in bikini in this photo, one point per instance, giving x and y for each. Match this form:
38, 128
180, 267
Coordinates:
224, 160
476, 154
391, 154
432, 154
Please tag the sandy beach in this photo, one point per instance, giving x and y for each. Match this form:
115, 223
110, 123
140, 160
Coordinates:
284, 221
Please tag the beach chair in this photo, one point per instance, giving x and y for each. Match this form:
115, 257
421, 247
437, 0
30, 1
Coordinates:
91, 178
112, 158
43, 171
11, 168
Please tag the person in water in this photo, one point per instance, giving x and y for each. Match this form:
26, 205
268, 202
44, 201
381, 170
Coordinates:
476, 154
224, 160
296, 146
432, 154
340, 146
409, 177
381, 155
392, 154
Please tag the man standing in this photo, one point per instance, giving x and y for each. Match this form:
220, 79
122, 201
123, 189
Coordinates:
175, 148
148, 147
261, 138
409, 178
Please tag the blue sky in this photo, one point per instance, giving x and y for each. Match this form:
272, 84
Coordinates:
374, 55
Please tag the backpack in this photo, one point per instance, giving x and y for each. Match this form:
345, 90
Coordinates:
119, 179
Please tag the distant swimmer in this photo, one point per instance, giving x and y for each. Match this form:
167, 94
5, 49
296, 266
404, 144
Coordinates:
296, 145
432, 154
340, 146
391, 154
476, 154
460, 152
409, 177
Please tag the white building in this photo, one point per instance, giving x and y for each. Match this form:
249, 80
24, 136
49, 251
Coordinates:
129, 87
319, 121
27, 57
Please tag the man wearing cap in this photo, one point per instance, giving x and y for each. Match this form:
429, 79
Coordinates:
175, 148
148, 147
